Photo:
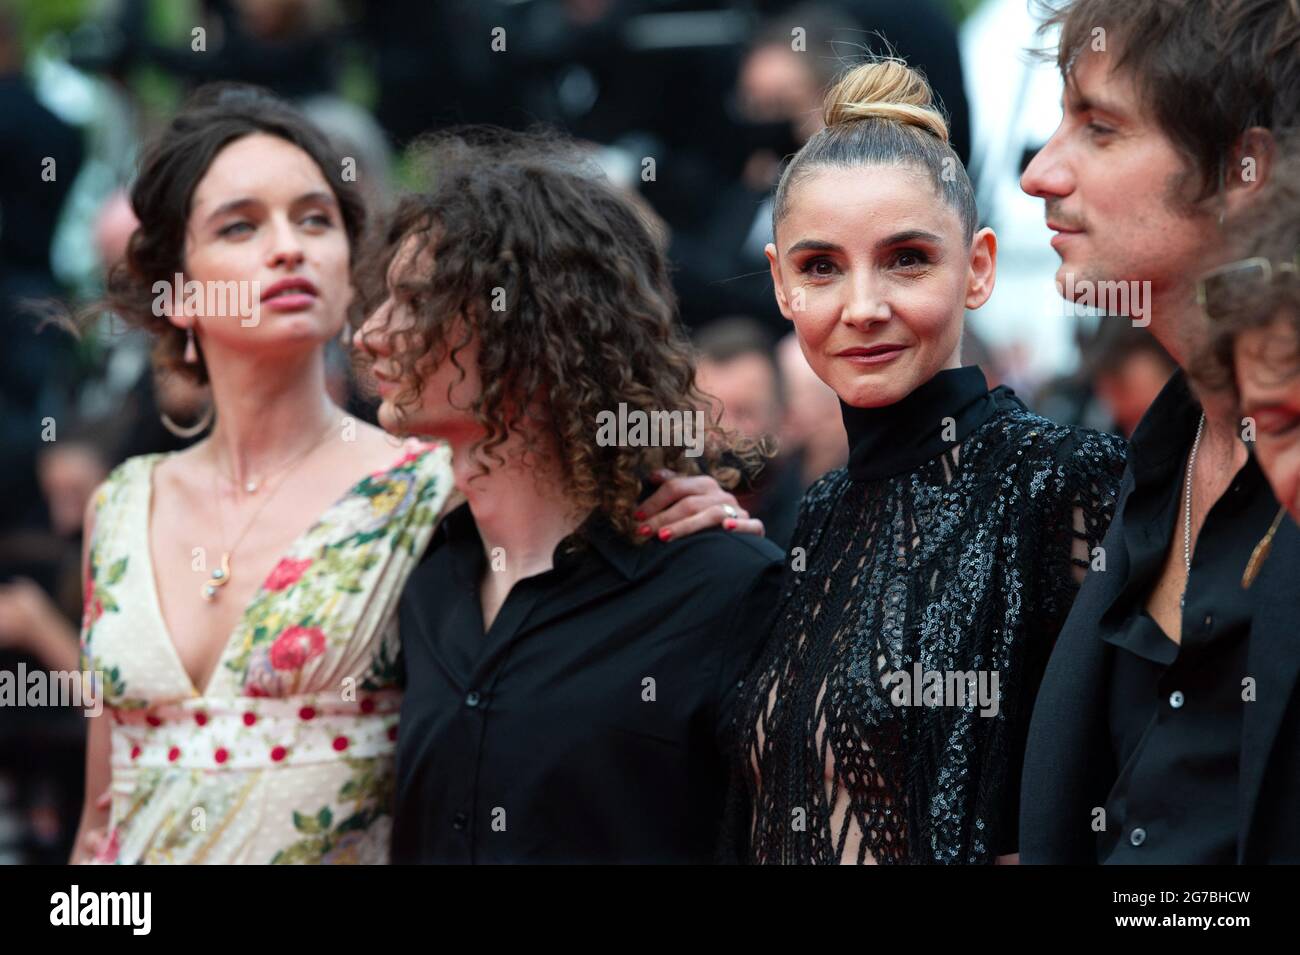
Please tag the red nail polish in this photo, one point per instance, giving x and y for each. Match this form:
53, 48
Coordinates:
644, 530
665, 534
729, 524
639, 516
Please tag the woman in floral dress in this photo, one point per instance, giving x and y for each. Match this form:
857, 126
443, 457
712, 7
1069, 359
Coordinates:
286, 754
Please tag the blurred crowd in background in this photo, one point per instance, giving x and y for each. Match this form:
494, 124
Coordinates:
716, 93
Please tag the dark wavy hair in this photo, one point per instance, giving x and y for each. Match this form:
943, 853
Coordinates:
1206, 69
171, 168
1269, 227
563, 283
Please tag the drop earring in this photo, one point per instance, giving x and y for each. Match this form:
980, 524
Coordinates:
191, 352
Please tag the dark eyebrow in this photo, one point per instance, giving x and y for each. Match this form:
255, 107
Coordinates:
1083, 104
909, 235
326, 198
898, 238
235, 205
1095, 105
813, 245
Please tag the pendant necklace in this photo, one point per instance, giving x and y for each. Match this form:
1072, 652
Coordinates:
220, 575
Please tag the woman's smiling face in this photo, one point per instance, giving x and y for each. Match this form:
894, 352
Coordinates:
872, 266
1266, 362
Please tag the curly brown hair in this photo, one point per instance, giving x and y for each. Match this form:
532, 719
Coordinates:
559, 279
1269, 228
170, 170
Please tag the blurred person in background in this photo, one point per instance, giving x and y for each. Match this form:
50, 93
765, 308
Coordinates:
40, 620
38, 164
40, 768
289, 46
41, 748
737, 369
1128, 369
813, 430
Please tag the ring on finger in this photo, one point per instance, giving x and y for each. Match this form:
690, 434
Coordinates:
730, 511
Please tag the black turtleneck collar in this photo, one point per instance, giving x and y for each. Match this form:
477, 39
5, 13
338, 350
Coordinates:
898, 438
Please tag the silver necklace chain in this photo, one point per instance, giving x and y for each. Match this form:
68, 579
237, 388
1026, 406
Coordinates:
220, 576
1187, 507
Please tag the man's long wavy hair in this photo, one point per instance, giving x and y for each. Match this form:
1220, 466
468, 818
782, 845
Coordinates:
521, 244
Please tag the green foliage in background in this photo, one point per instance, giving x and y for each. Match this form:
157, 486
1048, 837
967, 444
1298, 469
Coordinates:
961, 9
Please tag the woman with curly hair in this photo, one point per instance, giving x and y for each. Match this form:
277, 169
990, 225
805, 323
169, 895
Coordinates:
565, 698
241, 594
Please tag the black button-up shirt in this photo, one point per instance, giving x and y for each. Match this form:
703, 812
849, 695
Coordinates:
588, 723
1175, 710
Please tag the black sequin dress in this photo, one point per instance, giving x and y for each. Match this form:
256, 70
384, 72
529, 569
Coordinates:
885, 718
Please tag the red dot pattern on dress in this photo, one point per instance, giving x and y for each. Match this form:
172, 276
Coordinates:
278, 753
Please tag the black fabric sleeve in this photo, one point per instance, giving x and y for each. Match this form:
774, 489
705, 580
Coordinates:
1086, 473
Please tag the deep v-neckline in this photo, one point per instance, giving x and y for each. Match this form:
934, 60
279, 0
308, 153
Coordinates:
151, 578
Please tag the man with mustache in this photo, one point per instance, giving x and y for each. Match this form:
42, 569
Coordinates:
1167, 728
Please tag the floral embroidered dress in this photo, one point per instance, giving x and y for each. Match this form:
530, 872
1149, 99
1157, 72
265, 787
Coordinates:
288, 757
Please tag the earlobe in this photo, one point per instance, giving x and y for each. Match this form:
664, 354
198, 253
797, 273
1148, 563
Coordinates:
778, 287
1252, 161
169, 303
983, 268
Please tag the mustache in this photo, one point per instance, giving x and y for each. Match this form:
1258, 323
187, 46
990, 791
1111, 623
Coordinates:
1054, 214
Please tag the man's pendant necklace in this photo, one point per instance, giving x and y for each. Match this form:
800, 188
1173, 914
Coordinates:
1187, 512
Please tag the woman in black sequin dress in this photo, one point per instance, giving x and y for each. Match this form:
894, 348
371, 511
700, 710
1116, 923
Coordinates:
884, 721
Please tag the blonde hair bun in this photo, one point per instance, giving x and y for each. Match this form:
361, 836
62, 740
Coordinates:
888, 89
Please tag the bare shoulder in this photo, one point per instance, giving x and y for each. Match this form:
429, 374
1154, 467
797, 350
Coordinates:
183, 467
369, 448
